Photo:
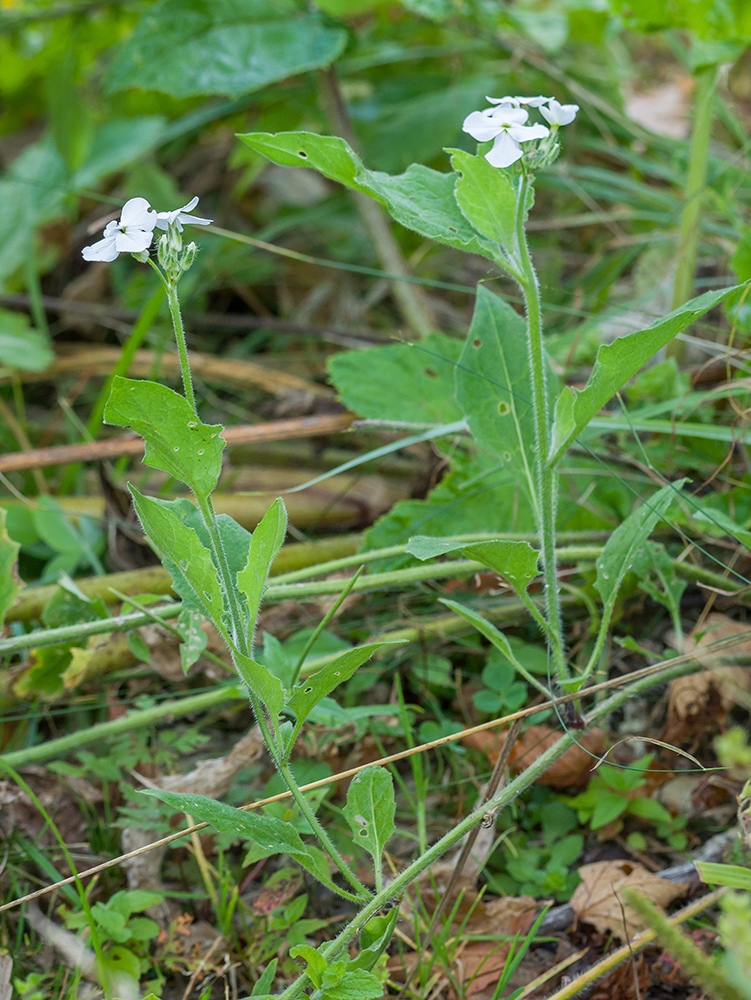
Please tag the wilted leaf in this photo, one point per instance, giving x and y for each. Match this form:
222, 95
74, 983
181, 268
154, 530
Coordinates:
597, 899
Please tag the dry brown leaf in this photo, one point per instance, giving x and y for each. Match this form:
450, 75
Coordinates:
597, 900
572, 768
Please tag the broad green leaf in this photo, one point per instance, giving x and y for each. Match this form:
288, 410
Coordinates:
515, 561
262, 683
616, 363
370, 810
186, 559
420, 199
412, 382
187, 48
374, 939
623, 545
487, 199
21, 346
265, 543
309, 692
269, 833
350, 984
493, 386
8, 577
176, 441
735, 876
315, 963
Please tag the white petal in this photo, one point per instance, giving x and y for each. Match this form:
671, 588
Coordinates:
559, 114
507, 115
191, 204
513, 101
137, 212
195, 221
505, 151
535, 102
523, 133
134, 240
103, 250
480, 126
111, 228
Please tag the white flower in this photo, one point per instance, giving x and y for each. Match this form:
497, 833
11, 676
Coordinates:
132, 234
559, 114
533, 102
166, 219
505, 124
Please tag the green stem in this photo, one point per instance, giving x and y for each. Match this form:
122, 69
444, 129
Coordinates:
403, 880
696, 178
547, 480
182, 347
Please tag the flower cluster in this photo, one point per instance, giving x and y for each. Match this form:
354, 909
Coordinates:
505, 124
135, 230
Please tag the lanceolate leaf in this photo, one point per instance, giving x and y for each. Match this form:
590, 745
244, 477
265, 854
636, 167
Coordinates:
370, 810
176, 441
515, 561
623, 545
493, 386
616, 363
186, 559
267, 539
487, 199
421, 199
189, 47
309, 692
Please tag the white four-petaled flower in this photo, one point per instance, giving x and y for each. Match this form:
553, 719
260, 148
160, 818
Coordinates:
503, 123
132, 234
166, 219
559, 114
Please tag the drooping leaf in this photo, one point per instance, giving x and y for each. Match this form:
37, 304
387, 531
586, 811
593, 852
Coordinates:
309, 692
8, 578
186, 559
623, 545
176, 441
494, 388
187, 48
420, 199
412, 382
487, 199
616, 363
265, 543
370, 810
513, 560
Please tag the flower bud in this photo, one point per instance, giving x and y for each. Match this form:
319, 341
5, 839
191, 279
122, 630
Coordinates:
143, 256
188, 256
168, 256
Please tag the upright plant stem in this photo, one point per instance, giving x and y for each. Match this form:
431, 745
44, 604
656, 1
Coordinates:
696, 178
546, 476
182, 347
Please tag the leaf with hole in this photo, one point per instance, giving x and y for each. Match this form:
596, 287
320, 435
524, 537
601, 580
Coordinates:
420, 199
308, 693
616, 363
623, 545
176, 441
370, 810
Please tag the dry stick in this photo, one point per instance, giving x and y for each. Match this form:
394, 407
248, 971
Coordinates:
586, 978
410, 298
493, 786
132, 444
442, 741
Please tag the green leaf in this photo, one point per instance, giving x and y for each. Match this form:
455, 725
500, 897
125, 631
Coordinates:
265, 543
262, 985
176, 441
309, 692
262, 683
487, 199
21, 346
185, 558
374, 938
609, 806
269, 833
193, 637
735, 876
370, 810
616, 363
187, 48
353, 984
494, 389
8, 578
420, 199
315, 963
515, 561
622, 546
412, 382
